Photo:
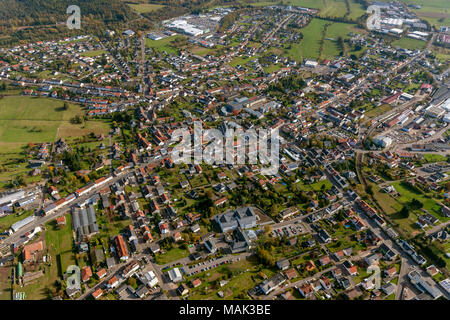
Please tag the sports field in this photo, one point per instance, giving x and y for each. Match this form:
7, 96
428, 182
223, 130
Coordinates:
408, 43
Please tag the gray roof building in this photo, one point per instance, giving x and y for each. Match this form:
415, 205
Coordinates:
241, 241
84, 222
243, 217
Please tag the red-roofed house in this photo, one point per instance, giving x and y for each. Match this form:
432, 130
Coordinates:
101, 273
113, 282
86, 273
61, 221
97, 293
196, 282
306, 290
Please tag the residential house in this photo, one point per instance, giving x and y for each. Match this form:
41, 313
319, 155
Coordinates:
182, 289
390, 272
86, 273
310, 265
268, 285
97, 293
306, 290
121, 248
101, 273
112, 283
283, 264
196, 282
324, 260
291, 273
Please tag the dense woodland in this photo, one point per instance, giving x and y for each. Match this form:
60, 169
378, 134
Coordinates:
43, 19
24, 20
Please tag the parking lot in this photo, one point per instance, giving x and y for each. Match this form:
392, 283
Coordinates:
209, 264
289, 230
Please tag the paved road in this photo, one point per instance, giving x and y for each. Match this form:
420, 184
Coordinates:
437, 228
404, 269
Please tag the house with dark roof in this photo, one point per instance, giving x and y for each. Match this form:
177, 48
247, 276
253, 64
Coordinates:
324, 236
268, 285
283, 264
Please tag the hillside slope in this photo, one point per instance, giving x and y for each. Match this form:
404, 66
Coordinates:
35, 12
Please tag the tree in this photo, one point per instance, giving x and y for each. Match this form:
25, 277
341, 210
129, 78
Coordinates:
404, 213
131, 282
415, 204
369, 190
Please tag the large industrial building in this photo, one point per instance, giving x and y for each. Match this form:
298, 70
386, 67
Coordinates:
84, 222
382, 141
182, 26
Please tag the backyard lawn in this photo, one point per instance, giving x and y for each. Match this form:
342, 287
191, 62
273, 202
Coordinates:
171, 255
59, 244
241, 276
434, 157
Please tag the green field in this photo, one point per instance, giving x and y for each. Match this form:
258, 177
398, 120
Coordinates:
309, 46
307, 3
436, 12
442, 54
272, 68
338, 8
375, 112
240, 61
408, 194
408, 43
328, 8
93, 53
259, 3
145, 7
316, 186
6, 222
334, 31
26, 120
434, 157
171, 255
163, 44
